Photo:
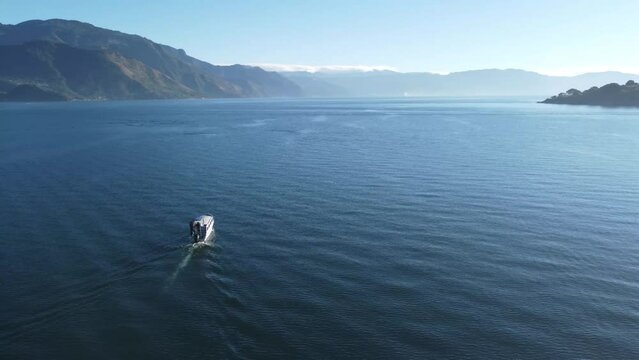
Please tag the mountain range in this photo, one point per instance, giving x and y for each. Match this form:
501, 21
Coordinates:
70, 60
490, 82
76, 60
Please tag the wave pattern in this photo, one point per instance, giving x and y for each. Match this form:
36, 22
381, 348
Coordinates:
384, 228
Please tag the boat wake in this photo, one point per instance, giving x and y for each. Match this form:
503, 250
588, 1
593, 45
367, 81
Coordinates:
191, 249
83, 294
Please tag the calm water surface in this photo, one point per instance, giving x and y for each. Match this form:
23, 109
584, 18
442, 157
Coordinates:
370, 229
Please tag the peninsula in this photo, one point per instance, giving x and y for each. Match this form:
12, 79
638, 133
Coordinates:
607, 95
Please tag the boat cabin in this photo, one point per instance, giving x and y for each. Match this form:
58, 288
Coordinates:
201, 227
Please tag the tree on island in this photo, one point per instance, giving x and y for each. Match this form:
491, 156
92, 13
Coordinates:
608, 95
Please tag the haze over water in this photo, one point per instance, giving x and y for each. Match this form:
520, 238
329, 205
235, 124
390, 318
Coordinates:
372, 229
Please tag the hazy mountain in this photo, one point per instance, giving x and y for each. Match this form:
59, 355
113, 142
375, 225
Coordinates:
490, 82
608, 95
316, 86
373, 83
159, 70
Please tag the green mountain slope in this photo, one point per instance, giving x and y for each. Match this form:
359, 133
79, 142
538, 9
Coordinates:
162, 70
31, 93
84, 74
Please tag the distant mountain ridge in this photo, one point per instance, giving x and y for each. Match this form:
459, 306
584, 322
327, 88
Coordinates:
489, 82
609, 95
140, 68
67, 60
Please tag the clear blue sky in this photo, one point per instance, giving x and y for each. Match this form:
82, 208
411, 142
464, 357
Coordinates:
409, 35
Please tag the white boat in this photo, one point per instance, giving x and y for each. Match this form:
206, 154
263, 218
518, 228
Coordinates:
202, 227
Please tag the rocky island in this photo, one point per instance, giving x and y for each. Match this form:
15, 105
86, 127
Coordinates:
607, 95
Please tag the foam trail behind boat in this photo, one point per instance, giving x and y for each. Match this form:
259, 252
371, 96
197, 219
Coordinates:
187, 258
185, 261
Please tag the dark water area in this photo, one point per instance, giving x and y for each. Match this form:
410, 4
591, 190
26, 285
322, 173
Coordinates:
364, 229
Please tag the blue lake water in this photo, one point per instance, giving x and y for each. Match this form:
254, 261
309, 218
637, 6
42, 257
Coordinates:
370, 229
